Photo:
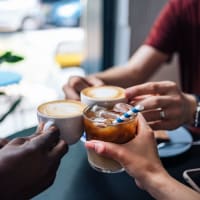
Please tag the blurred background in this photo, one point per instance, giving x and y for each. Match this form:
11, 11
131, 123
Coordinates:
61, 38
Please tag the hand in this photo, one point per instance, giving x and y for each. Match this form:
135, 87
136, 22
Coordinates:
28, 165
139, 157
75, 84
166, 107
3, 142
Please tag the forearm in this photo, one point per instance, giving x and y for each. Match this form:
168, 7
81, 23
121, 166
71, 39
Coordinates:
122, 76
139, 68
164, 187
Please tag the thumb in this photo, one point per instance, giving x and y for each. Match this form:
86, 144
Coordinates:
143, 126
107, 149
95, 81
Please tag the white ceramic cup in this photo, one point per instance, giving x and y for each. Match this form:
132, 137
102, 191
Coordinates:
103, 95
67, 115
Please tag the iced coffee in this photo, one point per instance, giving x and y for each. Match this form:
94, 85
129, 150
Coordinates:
100, 124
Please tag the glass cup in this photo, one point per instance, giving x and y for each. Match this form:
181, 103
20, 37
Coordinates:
98, 123
69, 54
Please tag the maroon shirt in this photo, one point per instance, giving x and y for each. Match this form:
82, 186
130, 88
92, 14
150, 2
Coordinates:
177, 29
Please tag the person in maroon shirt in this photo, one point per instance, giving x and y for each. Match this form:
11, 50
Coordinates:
176, 30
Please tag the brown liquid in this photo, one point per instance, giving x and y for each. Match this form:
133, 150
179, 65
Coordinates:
119, 133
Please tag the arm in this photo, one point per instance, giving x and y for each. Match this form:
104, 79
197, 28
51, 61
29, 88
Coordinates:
169, 188
139, 68
140, 159
144, 62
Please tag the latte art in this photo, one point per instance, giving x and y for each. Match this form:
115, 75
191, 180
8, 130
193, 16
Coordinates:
104, 92
62, 108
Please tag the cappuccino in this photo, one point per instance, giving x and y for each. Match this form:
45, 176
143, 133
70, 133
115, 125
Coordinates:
61, 108
102, 95
67, 115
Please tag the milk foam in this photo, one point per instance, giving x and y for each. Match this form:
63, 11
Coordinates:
105, 92
61, 109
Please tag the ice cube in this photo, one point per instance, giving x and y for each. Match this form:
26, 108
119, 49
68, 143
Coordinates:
122, 107
96, 108
107, 114
100, 122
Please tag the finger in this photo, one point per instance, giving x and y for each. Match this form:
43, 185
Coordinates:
138, 99
143, 126
154, 115
3, 142
105, 148
71, 93
164, 125
39, 130
95, 81
78, 83
18, 141
59, 150
158, 102
152, 88
47, 140
144, 131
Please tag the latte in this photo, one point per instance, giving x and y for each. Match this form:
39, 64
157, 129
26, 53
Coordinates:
103, 94
61, 108
67, 115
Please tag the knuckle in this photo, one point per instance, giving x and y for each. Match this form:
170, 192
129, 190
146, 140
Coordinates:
154, 87
19, 140
120, 154
73, 81
32, 148
172, 85
156, 102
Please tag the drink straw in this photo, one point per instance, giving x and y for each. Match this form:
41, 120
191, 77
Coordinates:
127, 115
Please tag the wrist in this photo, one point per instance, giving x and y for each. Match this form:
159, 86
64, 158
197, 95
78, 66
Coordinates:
163, 186
149, 176
159, 185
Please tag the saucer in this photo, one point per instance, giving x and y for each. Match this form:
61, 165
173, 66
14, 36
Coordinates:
8, 78
177, 135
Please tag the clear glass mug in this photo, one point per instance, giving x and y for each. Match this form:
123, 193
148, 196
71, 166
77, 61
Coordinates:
69, 54
99, 129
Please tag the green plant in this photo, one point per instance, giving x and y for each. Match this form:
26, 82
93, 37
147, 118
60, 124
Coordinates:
9, 57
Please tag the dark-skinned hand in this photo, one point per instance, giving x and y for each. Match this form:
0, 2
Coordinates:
28, 165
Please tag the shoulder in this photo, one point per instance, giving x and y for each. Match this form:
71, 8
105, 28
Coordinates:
183, 5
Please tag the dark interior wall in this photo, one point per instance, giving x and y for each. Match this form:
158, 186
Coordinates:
142, 14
